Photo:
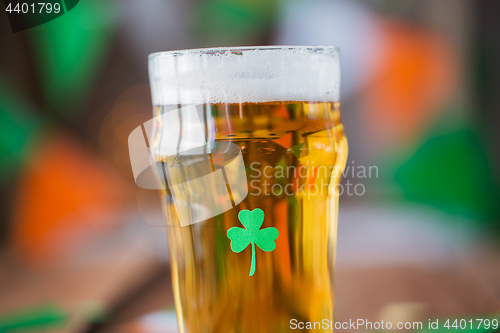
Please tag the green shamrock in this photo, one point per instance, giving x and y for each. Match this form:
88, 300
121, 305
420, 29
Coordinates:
241, 238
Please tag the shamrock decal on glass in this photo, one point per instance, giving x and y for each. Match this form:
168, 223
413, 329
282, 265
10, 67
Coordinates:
241, 237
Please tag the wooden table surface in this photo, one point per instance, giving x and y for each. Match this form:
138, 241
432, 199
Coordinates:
411, 270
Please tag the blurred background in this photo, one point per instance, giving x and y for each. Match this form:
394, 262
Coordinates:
82, 248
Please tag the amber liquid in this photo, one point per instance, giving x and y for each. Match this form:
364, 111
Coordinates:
213, 290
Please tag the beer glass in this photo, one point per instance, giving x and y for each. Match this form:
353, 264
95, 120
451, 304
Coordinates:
250, 148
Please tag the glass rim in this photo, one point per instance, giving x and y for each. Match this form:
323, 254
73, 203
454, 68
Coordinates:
239, 49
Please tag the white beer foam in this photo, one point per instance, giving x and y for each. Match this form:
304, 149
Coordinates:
253, 75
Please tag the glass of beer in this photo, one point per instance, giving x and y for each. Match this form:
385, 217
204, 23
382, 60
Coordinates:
249, 148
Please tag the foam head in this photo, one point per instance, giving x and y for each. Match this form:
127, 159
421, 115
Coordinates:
245, 75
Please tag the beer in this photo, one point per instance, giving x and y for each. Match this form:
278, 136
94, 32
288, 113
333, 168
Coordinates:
293, 154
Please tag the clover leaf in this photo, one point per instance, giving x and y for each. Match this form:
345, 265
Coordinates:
241, 237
